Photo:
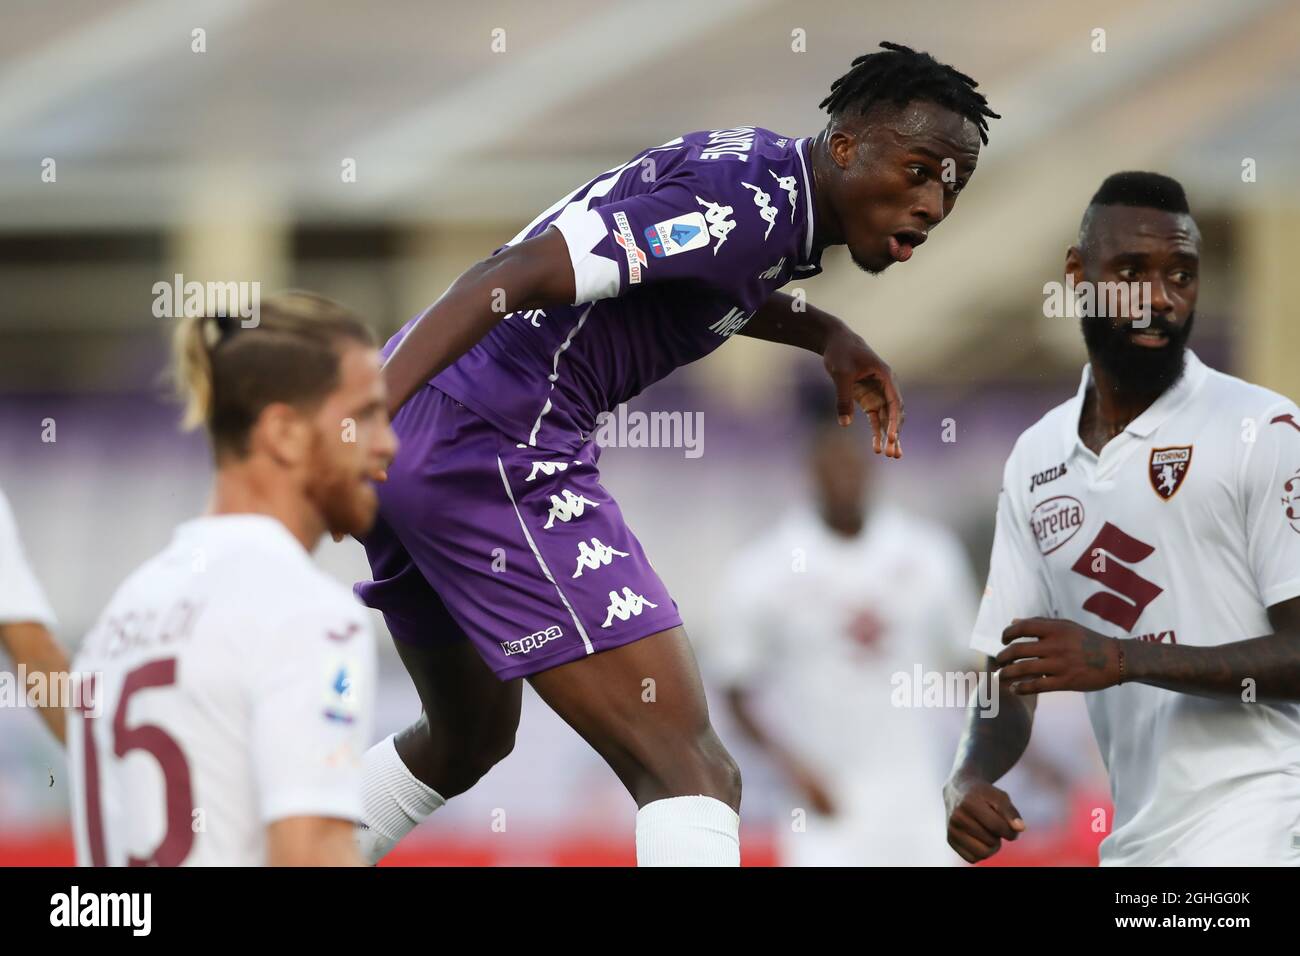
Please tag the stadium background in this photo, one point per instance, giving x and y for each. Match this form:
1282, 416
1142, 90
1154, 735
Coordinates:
226, 164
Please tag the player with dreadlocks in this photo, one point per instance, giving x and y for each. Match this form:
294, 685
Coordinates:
498, 553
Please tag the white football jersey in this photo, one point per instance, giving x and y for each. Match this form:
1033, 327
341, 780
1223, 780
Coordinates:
232, 687
1185, 529
21, 597
829, 634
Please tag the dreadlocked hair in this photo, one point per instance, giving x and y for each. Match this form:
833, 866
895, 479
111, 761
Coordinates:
901, 75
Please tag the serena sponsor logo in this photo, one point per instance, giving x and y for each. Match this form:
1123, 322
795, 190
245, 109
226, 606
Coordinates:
533, 641
1055, 521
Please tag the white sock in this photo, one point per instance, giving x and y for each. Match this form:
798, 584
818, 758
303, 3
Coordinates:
393, 801
687, 831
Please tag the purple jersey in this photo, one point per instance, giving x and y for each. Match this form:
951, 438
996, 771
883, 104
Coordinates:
672, 253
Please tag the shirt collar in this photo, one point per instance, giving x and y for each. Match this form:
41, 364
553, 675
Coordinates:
803, 149
241, 526
1173, 398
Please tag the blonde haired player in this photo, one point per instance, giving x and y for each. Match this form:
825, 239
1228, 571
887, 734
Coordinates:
232, 679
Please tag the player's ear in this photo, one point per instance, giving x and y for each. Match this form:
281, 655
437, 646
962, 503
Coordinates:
284, 433
1074, 264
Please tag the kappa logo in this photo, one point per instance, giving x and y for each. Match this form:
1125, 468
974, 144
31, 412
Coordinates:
567, 507
548, 468
765, 208
526, 645
1131, 592
636, 259
594, 556
1168, 468
789, 184
773, 272
719, 221
624, 606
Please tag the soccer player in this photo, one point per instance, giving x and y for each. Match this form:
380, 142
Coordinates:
1147, 553
822, 626
25, 622
499, 554
232, 683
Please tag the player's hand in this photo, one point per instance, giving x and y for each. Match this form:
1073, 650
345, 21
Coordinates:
810, 786
1062, 656
862, 377
980, 817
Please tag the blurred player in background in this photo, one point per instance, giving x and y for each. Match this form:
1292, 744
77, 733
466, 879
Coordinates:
233, 684
499, 554
1147, 552
25, 622
818, 623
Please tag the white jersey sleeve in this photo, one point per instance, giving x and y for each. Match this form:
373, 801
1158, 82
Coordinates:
21, 597
312, 704
1270, 496
1016, 585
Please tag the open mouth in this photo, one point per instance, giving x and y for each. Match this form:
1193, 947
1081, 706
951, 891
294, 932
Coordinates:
1148, 338
903, 242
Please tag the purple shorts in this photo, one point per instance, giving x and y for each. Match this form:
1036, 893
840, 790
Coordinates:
519, 549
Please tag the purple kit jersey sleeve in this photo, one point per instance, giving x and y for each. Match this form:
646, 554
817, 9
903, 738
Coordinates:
672, 253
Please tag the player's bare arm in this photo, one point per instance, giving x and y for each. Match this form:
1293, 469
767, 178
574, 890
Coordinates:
859, 374
36, 649
311, 841
802, 779
531, 275
980, 815
1063, 655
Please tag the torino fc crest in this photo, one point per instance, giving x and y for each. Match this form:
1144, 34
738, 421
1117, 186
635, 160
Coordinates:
1169, 468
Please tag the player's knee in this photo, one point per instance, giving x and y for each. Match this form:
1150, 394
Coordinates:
468, 759
701, 766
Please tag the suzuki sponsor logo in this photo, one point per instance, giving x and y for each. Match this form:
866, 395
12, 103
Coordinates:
1106, 561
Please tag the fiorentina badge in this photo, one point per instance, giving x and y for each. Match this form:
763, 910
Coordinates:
1169, 468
